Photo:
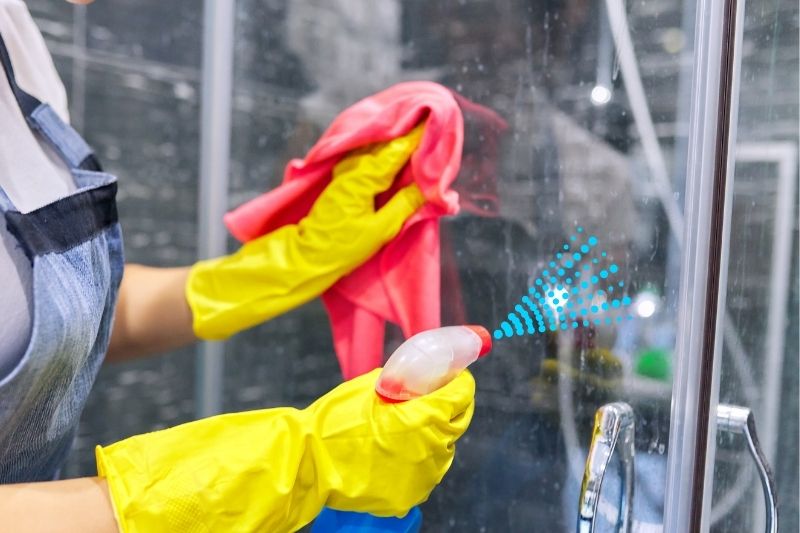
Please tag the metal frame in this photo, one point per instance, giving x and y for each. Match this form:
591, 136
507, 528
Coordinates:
705, 452
696, 346
215, 127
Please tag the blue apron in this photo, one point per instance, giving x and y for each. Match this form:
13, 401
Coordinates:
75, 248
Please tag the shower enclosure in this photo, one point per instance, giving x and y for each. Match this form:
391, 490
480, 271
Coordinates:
667, 129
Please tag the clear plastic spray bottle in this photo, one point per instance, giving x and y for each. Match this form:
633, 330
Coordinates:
431, 359
423, 363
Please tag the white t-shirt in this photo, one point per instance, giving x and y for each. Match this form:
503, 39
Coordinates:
30, 173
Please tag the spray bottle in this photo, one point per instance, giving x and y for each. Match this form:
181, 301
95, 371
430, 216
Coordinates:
424, 363
430, 360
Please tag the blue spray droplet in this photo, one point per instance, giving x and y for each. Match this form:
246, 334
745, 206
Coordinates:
552, 264
595, 261
577, 274
507, 329
594, 309
594, 279
553, 327
586, 267
545, 273
579, 301
619, 319
533, 308
559, 255
621, 283
574, 325
568, 281
517, 324
603, 274
572, 237
613, 268
603, 254
615, 303
553, 280
538, 281
592, 240
526, 317
579, 229
576, 256
542, 329
566, 247
551, 294
586, 323
569, 264
563, 326
498, 334
573, 314
626, 301
604, 306
584, 312
584, 284
610, 288
560, 271
597, 321
584, 249
575, 290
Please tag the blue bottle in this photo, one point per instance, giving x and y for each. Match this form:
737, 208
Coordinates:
330, 521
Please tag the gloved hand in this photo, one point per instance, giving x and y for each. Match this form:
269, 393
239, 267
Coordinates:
297, 262
274, 470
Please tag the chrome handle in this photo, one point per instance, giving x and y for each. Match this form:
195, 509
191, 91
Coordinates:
740, 421
610, 421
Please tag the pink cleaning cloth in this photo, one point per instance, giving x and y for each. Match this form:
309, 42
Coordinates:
401, 283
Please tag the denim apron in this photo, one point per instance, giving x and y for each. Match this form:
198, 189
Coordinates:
75, 248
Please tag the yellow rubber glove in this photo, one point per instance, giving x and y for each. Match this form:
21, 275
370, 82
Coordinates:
274, 470
296, 263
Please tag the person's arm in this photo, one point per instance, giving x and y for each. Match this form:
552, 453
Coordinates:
164, 308
74, 505
152, 313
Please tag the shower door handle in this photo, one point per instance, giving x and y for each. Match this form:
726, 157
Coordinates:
740, 421
613, 429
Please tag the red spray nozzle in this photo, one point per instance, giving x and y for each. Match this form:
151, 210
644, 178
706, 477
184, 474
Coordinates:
429, 360
486, 339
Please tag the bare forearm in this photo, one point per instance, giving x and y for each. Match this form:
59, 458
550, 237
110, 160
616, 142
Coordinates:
152, 314
75, 505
